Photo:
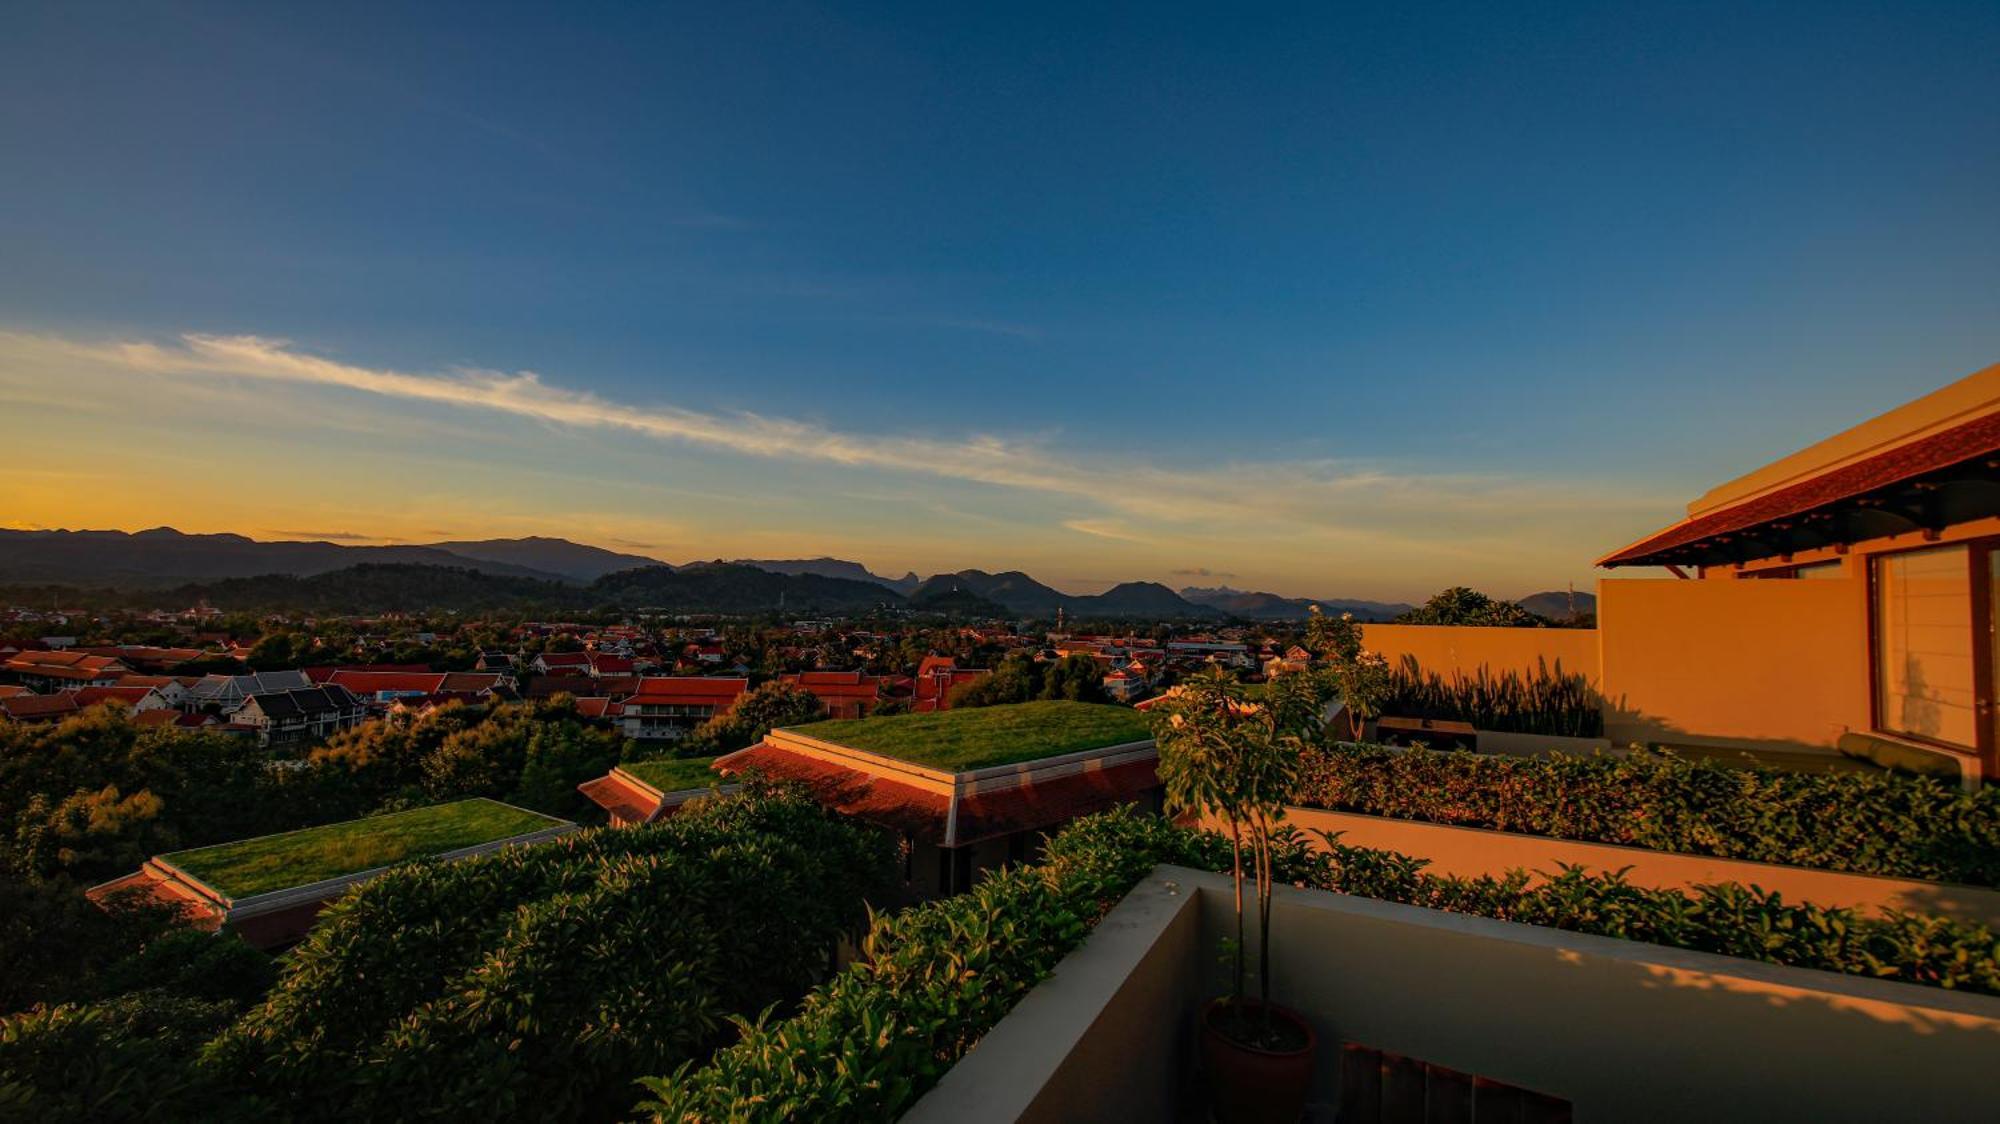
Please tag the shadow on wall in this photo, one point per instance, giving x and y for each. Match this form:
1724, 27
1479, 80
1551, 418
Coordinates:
1624, 1030
1624, 723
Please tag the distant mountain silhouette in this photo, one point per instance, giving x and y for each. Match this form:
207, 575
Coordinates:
1140, 599
166, 557
726, 587
832, 568
1013, 590
572, 560
1555, 604
1271, 607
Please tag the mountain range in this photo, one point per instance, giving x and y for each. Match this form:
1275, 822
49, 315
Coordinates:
559, 572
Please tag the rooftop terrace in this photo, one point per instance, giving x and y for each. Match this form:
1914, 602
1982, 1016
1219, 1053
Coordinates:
299, 858
986, 737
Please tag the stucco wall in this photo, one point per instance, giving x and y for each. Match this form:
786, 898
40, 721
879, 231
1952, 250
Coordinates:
1470, 852
1779, 663
1445, 649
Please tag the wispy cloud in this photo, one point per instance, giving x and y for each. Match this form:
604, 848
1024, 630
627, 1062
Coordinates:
1200, 572
328, 536
1316, 506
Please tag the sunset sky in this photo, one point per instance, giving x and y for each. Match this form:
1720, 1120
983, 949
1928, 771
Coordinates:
1334, 301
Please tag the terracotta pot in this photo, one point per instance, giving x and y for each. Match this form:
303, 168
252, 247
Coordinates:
1249, 1085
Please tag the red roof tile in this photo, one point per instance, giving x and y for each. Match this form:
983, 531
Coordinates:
1050, 803
918, 812
1975, 438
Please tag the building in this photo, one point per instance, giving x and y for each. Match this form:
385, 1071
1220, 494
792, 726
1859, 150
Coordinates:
935, 678
45, 671
1835, 603
224, 694
668, 707
646, 791
39, 708
842, 694
271, 889
967, 790
136, 698
300, 714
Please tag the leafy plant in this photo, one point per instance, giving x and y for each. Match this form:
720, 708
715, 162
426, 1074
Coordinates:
1550, 701
1235, 761
1867, 823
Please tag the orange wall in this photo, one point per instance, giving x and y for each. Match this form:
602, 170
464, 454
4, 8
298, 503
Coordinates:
1448, 648
1783, 663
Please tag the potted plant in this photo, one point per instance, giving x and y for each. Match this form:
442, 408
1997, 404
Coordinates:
1234, 760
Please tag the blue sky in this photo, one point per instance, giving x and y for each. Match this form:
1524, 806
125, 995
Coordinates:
1394, 296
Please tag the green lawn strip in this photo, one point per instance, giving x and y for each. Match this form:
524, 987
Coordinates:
673, 774
983, 737
299, 858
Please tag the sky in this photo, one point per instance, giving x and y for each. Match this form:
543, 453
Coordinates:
1324, 300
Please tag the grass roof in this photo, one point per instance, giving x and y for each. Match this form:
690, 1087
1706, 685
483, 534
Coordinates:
299, 858
982, 737
673, 774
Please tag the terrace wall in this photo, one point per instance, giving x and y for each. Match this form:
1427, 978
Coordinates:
1625, 1031
1776, 664
1450, 648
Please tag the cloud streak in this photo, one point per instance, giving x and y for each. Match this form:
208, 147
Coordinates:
1318, 505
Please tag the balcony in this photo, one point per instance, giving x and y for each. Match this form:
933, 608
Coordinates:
1540, 1024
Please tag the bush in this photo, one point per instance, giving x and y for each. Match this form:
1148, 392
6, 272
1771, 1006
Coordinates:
1865, 823
933, 980
1549, 702
542, 981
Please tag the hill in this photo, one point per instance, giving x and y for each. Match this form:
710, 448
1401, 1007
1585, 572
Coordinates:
1271, 607
955, 601
382, 588
165, 557
724, 587
1013, 590
832, 568
1555, 605
1140, 599
572, 560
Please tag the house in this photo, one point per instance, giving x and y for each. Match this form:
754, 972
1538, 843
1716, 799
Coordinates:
271, 889
558, 663
935, 678
968, 790
223, 694
300, 714
842, 694
385, 687
668, 707
39, 708
45, 671
172, 689
131, 697
1123, 685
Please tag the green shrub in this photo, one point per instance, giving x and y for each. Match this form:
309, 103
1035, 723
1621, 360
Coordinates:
540, 982
122, 1059
1867, 823
933, 980
1549, 702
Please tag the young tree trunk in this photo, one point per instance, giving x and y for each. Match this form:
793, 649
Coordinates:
1236, 870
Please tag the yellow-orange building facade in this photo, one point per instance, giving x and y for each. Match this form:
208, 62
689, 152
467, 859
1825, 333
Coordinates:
1851, 588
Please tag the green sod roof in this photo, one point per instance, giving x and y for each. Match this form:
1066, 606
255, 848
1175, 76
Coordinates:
971, 738
674, 774
300, 858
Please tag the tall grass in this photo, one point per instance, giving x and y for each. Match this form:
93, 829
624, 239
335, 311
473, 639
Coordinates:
1550, 701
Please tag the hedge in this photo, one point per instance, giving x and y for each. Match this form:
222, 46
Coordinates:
534, 983
1864, 823
868, 1044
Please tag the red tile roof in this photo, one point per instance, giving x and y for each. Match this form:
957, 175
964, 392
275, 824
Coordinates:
1049, 803
689, 690
625, 803
918, 812
1941, 450
127, 696
367, 683
30, 708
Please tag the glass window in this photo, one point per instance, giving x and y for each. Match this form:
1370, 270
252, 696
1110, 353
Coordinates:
1924, 681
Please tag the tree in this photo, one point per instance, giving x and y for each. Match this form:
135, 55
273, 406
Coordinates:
1234, 760
1018, 679
1359, 677
1461, 606
758, 712
1077, 678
